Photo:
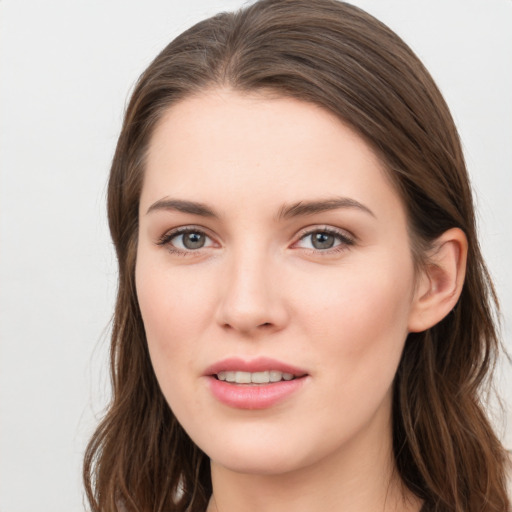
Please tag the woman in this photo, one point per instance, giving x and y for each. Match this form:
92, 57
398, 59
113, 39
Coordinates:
304, 320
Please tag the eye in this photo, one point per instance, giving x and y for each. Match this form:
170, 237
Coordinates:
190, 240
185, 240
324, 239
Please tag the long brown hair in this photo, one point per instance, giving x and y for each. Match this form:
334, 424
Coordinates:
341, 58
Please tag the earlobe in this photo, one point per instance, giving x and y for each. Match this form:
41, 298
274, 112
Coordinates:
440, 282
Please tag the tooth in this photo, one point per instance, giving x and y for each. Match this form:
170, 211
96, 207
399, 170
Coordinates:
243, 377
260, 377
263, 377
230, 376
275, 376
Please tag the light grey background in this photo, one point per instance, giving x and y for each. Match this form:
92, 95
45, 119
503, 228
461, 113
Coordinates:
66, 70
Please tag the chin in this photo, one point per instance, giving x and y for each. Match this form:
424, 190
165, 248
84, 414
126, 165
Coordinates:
253, 449
259, 461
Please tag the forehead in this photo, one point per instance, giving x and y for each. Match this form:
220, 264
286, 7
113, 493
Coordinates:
238, 149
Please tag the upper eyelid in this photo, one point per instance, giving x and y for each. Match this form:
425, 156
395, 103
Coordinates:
187, 228
168, 235
326, 228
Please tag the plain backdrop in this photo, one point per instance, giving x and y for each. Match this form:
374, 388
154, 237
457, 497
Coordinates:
66, 69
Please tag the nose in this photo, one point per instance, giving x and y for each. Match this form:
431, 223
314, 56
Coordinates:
252, 300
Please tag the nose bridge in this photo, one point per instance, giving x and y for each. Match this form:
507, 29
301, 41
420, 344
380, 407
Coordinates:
250, 298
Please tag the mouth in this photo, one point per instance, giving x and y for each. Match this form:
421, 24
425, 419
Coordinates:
262, 370
255, 384
261, 377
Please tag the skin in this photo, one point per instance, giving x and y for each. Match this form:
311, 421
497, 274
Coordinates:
259, 287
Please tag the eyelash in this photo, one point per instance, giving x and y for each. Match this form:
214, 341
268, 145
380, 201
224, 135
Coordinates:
345, 240
166, 238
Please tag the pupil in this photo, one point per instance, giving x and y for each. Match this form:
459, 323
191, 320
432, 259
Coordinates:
323, 241
193, 240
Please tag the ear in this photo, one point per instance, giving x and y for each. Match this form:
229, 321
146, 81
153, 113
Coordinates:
440, 282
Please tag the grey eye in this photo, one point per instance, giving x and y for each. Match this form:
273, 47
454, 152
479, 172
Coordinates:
322, 240
193, 240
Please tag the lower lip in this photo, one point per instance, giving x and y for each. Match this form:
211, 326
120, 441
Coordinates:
257, 396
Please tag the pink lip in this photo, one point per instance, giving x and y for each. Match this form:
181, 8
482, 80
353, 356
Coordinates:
256, 365
253, 396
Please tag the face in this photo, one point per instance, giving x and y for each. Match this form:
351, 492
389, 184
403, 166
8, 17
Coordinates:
275, 280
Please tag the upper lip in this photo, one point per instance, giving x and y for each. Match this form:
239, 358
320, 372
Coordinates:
260, 364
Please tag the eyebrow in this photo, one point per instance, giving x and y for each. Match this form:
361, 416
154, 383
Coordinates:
182, 206
303, 208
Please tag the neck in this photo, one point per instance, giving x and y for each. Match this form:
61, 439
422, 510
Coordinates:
360, 477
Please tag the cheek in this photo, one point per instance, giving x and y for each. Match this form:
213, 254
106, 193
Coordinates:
173, 311
172, 322
359, 319
172, 304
